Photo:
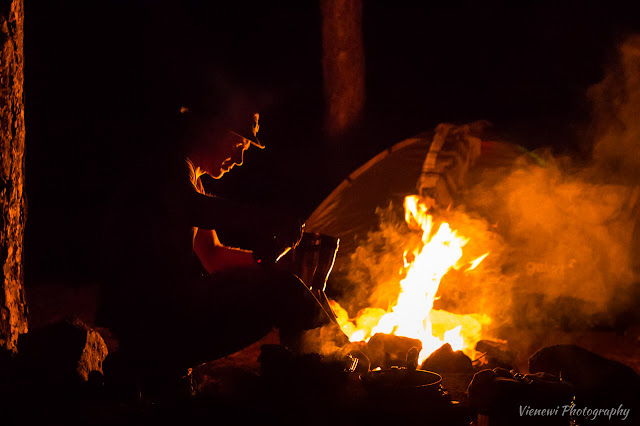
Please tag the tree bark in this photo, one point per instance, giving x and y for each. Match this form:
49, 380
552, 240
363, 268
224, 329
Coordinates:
343, 65
13, 308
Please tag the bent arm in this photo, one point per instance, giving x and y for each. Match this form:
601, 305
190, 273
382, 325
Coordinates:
216, 257
271, 233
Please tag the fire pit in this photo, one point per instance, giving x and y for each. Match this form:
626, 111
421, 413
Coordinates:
402, 382
435, 244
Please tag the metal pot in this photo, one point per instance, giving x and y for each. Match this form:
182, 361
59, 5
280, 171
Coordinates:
404, 388
313, 258
400, 378
312, 261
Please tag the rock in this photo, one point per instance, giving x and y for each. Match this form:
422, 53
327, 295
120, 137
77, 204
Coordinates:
387, 350
488, 391
446, 360
585, 369
66, 351
598, 381
501, 395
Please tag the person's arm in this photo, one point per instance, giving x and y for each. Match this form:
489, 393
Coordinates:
216, 257
266, 226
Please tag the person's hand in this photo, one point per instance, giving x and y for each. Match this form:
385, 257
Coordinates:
289, 233
276, 236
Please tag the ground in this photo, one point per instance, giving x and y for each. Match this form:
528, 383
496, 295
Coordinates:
233, 384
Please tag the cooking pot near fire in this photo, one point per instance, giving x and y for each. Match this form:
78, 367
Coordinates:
407, 390
312, 261
401, 379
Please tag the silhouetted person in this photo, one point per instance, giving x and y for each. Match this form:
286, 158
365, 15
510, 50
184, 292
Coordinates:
174, 295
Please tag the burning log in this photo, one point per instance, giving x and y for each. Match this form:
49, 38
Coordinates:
438, 251
446, 360
387, 350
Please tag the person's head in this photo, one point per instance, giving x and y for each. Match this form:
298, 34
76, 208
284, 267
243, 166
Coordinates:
214, 145
220, 151
219, 118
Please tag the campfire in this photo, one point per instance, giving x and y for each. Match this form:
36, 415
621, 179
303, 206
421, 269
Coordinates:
412, 315
425, 352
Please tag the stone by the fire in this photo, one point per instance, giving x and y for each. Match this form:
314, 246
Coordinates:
497, 352
597, 379
446, 360
500, 394
582, 367
487, 388
67, 350
387, 350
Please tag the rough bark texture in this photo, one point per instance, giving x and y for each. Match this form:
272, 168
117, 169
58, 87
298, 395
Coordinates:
13, 309
343, 64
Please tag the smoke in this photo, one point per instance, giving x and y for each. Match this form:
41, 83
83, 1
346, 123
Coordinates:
569, 243
616, 108
376, 263
561, 235
569, 228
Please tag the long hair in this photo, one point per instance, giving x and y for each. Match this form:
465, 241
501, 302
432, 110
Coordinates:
194, 176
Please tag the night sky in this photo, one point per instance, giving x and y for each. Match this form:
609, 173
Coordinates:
100, 74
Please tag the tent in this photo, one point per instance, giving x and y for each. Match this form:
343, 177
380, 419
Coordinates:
579, 249
349, 212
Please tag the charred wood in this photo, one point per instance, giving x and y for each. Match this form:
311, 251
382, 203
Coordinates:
387, 350
446, 360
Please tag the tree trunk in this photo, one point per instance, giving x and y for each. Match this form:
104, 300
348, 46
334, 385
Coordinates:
13, 308
343, 65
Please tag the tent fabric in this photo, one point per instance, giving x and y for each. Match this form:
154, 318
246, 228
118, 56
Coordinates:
349, 212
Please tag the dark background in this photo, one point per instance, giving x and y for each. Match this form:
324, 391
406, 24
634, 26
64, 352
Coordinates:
100, 73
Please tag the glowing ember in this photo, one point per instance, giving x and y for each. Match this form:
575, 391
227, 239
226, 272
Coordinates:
413, 315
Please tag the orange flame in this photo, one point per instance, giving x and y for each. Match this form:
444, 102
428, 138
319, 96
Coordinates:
413, 315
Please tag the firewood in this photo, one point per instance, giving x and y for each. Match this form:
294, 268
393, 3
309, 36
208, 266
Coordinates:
387, 350
446, 360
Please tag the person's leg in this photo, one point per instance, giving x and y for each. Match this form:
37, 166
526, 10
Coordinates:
228, 311
215, 316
